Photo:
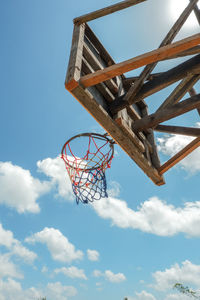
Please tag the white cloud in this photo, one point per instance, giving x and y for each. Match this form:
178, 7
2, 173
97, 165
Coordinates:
44, 269
19, 190
93, 255
186, 273
15, 246
58, 245
7, 268
114, 189
97, 273
110, 276
57, 291
142, 296
153, 216
115, 278
179, 296
55, 169
72, 272
171, 144
11, 289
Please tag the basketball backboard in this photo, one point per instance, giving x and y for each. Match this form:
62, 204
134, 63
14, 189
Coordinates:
117, 102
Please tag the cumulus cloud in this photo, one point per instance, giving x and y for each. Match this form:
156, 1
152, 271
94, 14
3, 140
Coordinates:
186, 273
114, 189
55, 169
57, 291
153, 216
93, 255
142, 296
8, 268
176, 297
15, 247
171, 144
72, 272
19, 190
110, 276
58, 245
11, 289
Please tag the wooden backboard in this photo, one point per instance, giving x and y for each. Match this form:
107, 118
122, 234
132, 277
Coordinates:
117, 102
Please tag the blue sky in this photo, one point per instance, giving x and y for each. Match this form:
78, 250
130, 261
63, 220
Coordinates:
140, 240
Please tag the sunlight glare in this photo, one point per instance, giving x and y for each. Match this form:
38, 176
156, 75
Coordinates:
176, 8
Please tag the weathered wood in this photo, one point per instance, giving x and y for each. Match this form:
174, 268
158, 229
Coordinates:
167, 113
151, 139
98, 64
127, 131
75, 60
192, 51
101, 87
106, 11
167, 40
177, 94
191, 66
192, 92
98, 46
189, 131
139, 61
197, 13
100, 114
180, 155
127, 82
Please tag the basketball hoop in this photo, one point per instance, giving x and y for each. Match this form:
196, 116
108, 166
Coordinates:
86, 169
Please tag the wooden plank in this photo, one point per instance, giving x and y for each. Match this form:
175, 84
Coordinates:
167, 40
98, 45
163, 80
75, 60
133, 113
180, 155
167, 113
192, 51
103, 118
130, 133
101, 87
139, 61
189, 131
97, 64
151, 139
177, 94
106, 11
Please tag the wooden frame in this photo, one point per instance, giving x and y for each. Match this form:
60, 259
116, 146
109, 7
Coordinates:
117, 102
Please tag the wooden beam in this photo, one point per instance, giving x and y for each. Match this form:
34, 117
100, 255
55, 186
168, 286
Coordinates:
106, 11
102, 117
127, 82
167, 40
192, 51
180, 156
75, 60
167, 113
197, 13
151, 139
103, 89
189, 131
191, 66
177, 94
89, 34
139, 61
192, 92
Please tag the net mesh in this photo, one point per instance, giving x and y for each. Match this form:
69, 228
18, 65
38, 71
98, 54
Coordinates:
87, 172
